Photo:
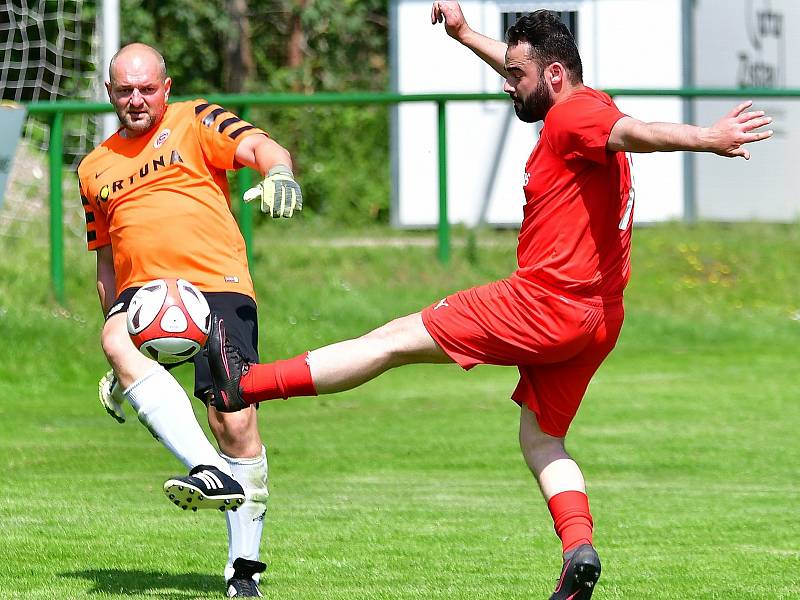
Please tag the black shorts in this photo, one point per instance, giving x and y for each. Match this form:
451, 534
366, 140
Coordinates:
241, 325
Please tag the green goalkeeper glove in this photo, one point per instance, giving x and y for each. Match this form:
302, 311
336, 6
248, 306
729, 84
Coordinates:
279, 193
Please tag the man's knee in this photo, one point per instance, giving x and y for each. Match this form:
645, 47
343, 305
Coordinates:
122, 355
537, 447
389, 333
541, 444
236, 433
405, 340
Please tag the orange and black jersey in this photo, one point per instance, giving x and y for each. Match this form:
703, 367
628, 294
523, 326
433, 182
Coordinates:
162, 200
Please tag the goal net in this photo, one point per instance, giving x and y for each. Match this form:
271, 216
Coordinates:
48, 51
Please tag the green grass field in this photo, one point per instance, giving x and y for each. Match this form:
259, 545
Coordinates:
413, 486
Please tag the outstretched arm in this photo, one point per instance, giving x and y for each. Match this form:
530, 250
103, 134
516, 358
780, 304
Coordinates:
279, 193
492, 52
726, 137
262, 153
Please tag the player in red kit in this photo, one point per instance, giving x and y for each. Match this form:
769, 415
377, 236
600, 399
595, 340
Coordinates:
559, 314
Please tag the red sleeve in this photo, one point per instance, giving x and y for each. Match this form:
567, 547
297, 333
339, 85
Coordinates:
220, 132
579, 128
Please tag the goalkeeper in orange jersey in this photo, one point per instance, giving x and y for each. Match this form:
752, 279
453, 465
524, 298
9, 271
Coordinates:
157, 205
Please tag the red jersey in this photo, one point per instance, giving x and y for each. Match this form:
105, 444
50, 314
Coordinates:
576, 229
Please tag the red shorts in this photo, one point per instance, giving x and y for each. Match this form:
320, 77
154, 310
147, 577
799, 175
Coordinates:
557, 342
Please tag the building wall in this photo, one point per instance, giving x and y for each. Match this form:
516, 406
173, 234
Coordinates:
750, 44
487, 145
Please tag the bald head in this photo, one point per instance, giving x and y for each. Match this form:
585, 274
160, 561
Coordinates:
139, 55
138, 87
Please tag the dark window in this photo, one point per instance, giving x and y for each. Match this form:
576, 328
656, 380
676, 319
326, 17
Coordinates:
568, 17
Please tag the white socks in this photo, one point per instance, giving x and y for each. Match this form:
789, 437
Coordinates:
164, 408
245, 525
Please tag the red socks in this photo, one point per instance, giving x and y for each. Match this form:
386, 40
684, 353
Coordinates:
571, 518
279, 379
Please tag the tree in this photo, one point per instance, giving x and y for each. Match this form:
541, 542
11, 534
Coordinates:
340, 153
238, 58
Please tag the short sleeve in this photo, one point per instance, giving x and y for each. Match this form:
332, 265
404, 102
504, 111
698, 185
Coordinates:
579, 127
97, 234
220, 132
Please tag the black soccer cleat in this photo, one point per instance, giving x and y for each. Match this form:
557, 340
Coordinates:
227, 366
242, 584
579, 574
205, 487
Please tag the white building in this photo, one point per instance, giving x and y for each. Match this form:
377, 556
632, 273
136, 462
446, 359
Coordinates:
623, 44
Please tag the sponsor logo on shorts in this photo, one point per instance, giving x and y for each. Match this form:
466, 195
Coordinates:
115, 309
442, 302
231, 279
162, 137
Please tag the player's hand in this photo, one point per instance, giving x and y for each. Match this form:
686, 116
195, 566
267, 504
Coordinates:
740, 126
279, 193
450, 13
111, 396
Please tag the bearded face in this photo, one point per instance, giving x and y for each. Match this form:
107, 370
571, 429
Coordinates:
534, 106
138, 115
526, 83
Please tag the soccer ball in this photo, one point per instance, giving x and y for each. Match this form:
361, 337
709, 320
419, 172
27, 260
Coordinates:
169, 320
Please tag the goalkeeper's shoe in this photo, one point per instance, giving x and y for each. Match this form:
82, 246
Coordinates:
111, 397
205, 487
227, 366
579, 574
242, 584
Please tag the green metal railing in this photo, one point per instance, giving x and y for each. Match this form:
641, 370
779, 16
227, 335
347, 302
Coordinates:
243, 103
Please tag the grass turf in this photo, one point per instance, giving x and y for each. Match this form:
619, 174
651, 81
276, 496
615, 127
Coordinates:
412, 486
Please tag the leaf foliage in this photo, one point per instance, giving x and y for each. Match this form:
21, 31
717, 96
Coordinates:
341, 153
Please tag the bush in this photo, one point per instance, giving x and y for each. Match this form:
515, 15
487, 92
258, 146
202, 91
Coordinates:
341, 158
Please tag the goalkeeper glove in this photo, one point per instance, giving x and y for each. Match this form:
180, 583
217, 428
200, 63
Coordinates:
111, 396
279, 193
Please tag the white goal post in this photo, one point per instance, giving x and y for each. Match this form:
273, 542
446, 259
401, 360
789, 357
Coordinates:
49, 50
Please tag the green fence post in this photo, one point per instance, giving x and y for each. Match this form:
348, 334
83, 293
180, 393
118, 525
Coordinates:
444, 222
244, 180
56, 209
